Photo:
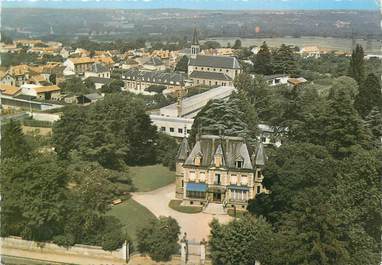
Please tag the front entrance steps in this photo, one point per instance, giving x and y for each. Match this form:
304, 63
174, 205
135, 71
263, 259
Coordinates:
215, 208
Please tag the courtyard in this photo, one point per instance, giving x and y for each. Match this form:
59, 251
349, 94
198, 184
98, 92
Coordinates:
196, 225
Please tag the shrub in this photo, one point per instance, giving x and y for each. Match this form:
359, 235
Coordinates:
160, 239
65, 240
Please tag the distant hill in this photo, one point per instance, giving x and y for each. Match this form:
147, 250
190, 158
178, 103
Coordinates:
170, 24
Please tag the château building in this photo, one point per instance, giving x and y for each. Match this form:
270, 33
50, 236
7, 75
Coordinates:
219, 169
211, 70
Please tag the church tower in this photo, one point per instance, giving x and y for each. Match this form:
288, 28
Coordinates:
195, 47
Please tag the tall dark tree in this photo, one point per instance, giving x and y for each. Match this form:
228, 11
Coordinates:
220, 117
237, 44
357, 64
284, 61
67, 129
114, 132
263, 60
374, 123
344, 127
166, 150
369, 95
182, 65
243, 83
241, 241
13, 143
33, 197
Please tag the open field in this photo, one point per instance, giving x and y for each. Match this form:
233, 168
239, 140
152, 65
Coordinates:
132, 215
149, 178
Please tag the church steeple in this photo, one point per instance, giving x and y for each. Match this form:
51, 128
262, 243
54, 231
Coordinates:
195, 40
195, 47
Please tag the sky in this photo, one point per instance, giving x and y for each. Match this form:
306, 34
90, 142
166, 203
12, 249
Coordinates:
198, 4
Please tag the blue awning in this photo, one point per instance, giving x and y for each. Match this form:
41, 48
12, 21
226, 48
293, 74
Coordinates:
196, 187
232, 187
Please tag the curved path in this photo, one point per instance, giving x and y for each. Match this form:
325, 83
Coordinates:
195, 225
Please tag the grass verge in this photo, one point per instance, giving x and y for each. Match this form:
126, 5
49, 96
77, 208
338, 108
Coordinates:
175, 205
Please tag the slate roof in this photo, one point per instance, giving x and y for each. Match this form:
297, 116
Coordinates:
233, 149
260, 155
93, 96
210, 75
215, 61
154, 61
183, 150
99, 68
157, 77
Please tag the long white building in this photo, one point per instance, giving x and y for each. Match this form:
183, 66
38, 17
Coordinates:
177, 119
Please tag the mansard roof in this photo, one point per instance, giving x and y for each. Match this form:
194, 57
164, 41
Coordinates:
230, 147
157, 77
226, 62
210, 75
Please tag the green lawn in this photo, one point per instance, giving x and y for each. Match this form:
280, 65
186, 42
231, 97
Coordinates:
175, 205
132, 215
149, 178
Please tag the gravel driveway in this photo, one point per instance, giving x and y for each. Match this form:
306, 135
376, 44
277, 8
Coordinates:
195, 225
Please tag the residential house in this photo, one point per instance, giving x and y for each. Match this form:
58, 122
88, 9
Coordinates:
78, 65
89, 98
129, 63
16, 75
219, 169
98, 70
154, 64
99, 81
9, 90
104, 60
41, 92
310, 52
275, 80
28, 42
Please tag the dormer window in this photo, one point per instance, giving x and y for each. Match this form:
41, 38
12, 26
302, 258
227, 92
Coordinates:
198, 160
218, 160
239, 163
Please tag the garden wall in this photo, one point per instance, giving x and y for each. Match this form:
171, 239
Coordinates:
14, 246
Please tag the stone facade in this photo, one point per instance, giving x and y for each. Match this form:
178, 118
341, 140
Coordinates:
220, 170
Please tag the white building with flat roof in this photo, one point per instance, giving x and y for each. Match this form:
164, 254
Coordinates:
189, 107
177, 119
